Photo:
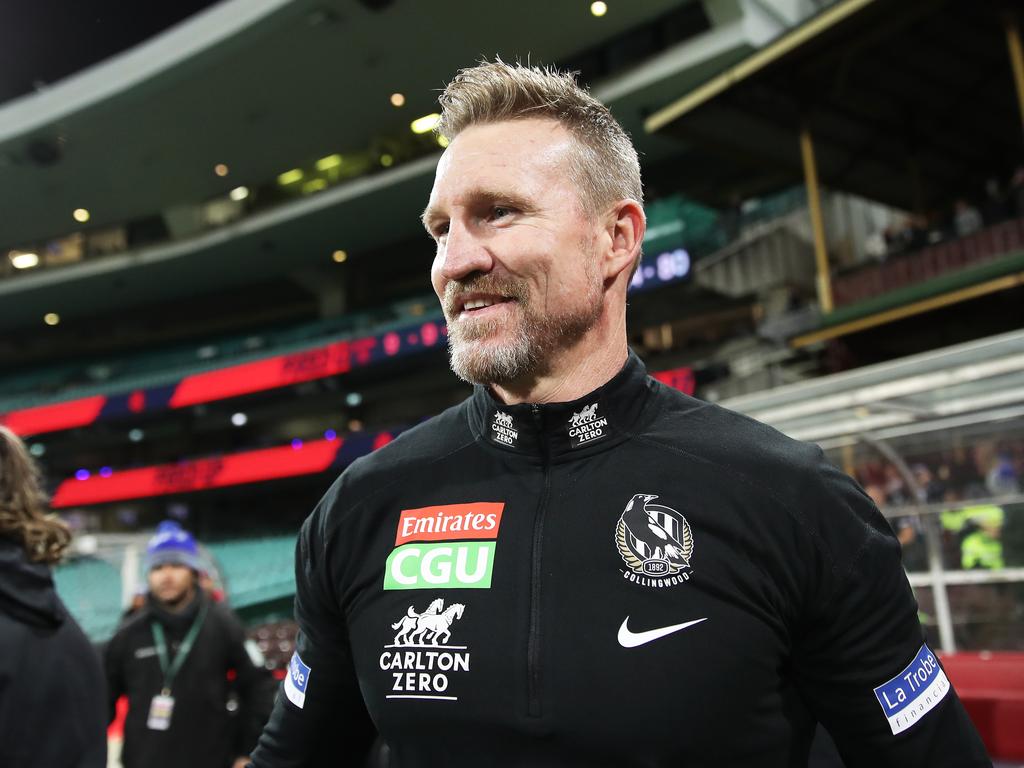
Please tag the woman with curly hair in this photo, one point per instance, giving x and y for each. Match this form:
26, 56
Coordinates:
51, 683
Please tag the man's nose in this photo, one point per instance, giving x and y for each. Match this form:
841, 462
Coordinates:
464, 253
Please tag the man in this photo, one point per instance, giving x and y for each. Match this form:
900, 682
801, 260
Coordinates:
578, 566
51, 682
173, 658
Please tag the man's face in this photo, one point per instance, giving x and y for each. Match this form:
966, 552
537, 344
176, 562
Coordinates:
516, 267
171, 584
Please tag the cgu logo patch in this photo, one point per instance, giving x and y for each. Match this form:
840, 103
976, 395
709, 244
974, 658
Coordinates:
586, 426
655, 542
420, 660
418, 563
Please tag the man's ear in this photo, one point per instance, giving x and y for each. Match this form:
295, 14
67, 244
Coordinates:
626, 225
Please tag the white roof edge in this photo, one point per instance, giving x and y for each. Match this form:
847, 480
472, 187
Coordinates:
133, 67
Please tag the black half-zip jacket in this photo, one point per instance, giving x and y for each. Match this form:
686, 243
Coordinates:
635, 578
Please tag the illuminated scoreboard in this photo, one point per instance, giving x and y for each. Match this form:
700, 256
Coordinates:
666, 267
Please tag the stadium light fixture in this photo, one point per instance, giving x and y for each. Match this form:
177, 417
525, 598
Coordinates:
326, 163
426, 123
313, 185
37, 449
136, 435
81, 215
239, 193
220, 169
290, 177
442, 141
387, 160
51, 318
339, 256
239, 419
598, 8
397, 99
24, 260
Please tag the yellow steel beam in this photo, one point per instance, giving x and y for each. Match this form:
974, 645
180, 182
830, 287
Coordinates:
908, 310
1016, 60
754, 63
817, 224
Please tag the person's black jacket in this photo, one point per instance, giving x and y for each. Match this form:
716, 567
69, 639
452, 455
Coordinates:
51, 683
635, 578
203, 732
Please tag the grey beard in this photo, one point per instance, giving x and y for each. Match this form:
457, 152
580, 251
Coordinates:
528, 351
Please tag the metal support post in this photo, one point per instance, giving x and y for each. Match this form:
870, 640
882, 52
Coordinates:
817, 225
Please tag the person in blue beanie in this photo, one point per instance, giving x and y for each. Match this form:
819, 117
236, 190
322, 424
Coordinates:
174, 659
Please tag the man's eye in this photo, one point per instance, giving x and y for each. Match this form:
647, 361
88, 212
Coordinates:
440, 231
500, 212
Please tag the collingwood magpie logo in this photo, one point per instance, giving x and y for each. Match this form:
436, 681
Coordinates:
421, 660
655, 542
503, 429
586, 426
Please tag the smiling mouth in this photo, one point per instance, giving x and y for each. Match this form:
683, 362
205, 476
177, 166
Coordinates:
481, 304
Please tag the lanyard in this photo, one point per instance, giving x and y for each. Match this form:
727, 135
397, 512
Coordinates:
170, 669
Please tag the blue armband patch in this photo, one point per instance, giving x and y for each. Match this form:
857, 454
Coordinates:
297, 680
913, 692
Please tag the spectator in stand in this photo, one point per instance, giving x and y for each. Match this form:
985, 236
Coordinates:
993, 210
51, 682
966, 218
1017, 191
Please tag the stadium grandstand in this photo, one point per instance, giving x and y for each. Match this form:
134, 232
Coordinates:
214, 289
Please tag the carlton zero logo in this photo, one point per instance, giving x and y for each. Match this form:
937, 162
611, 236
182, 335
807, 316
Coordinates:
587, 426
420, 660
453, 563
655, 542
503, 429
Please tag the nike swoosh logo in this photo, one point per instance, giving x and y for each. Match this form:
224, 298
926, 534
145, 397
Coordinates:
629, 639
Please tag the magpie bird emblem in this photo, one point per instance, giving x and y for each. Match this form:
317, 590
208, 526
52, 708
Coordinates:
654, 540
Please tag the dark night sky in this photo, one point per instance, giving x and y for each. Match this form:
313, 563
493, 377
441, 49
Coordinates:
47, 40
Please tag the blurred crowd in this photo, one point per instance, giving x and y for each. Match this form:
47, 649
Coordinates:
1001, 198
975, 535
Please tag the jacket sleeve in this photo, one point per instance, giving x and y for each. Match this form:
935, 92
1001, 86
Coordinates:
319, 709
860, 657
254, 684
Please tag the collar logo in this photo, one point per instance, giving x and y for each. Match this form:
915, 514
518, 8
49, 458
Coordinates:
503, 429
586, 426
655, 543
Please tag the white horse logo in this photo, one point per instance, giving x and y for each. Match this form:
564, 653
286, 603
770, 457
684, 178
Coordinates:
435, 629
500, 417
586, 414
408, 622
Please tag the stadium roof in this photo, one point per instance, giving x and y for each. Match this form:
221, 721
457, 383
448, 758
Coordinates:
908, 102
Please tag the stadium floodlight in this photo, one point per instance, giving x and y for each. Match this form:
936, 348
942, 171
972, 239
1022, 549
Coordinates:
24, 260
339, 256
239, 193
81, 215
290, 177
239, 419
51, 318
426, 123
326, 163
397, 99
598, 8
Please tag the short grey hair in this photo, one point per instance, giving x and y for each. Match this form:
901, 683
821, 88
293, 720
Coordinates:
606, 168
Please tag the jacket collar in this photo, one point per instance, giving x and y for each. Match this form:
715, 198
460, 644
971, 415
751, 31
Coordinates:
563, 431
